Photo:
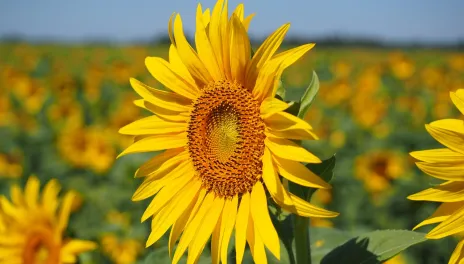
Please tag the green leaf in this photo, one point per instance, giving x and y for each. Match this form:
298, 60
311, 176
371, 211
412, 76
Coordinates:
281, 90
324, 240
325, 170
374, 247
309, 95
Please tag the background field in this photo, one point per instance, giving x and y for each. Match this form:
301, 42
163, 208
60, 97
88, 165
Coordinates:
61, 107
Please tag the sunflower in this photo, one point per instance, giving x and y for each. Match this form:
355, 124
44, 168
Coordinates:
31, 229
445, 164
226, 139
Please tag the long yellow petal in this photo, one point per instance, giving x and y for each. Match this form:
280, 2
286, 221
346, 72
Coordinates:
271, 106
184, 219
239, 49
151, 186
168, 115
240, 12
50, 196
156, 143
76, 246
247, 21
170, 30
444, 211
189, 56
216, 243
452, 225
166, 194
299, 174
241, 226
167, 100
285, 121
31, 192
458, 99
453, 172
153, 125
65, 211
458, 254
262, 220
204, 48
11, 211
228, 219
192, 227
224, 27
151, 166
270, 177
256, 243
171, 212
447, 192
215, 33
438, 155
206, 17
286, 149
264, 53
449, 132
162, 71
17, 197
204, 232
178, 66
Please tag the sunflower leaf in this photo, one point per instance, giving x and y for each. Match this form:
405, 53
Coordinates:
373, 247
281, 90
309, 95
325, 170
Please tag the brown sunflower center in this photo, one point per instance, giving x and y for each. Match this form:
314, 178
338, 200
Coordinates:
40, 248
226, 139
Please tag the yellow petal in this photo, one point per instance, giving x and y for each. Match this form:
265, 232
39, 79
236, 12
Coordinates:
449, 132
299, 174
262, 220
444, 211
270, 177
453, 172
256, 243
65, 211
204, 232
185, 218
167, 100
241, 226
76, 246
446, 192
153, 125
156, 143
178, 66
192, 227
17, 196
31, 192
204, 48
247, 20
162, 71
171, 212
240, 12
151, 186
452, 225
11, 211
438, 155
458, 254
271, 106
239, 49
166, 194
170, 30
224, 27
162, 162
286, 149
215, 33
168, 115
189, 56
228, 219
206, 17
264, 53
458, 99
50, 196
286, 125
216, 243
268, 77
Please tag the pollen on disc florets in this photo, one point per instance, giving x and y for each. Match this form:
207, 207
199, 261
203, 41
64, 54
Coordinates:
226, 138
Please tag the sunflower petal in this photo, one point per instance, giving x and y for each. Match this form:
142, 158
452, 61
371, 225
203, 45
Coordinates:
31, 192
50, 196
152, 165
228, 218
162, 71
178, 66
168, 115
76, 246
241, 226
449, 132
65, 211
454, 172
438, 155
444, 211
247, 21
271, 106
458, 254
299, 174
156, 143
452, 225
205, 51
239, 49
206, 17
256, 243
446, 192
152, 125
286, 149
458, 100
215, 33
262, 220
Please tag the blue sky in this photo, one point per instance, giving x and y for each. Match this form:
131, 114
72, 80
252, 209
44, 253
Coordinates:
126, 20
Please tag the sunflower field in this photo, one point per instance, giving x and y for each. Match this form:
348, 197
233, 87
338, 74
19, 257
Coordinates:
61, 107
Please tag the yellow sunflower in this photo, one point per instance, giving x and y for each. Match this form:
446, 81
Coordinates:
31, 228
445, 164
227, 139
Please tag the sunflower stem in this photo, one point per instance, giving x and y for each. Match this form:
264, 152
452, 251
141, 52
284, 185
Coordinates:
301, 229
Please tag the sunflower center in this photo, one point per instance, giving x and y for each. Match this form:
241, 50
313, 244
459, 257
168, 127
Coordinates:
40, 248
226, 139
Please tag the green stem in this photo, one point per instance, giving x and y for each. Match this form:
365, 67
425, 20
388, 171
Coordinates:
301, 230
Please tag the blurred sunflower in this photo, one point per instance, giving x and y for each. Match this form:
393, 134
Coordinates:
377, 169
121, 251
445, 164
31, 229
226, 139
11, 165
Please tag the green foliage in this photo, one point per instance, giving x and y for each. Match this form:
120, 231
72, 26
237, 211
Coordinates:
309, 96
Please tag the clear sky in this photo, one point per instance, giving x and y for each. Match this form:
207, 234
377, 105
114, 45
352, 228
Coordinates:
126, 20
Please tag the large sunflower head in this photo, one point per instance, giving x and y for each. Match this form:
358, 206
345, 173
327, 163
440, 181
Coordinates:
32, 227
445, 164
226, 139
